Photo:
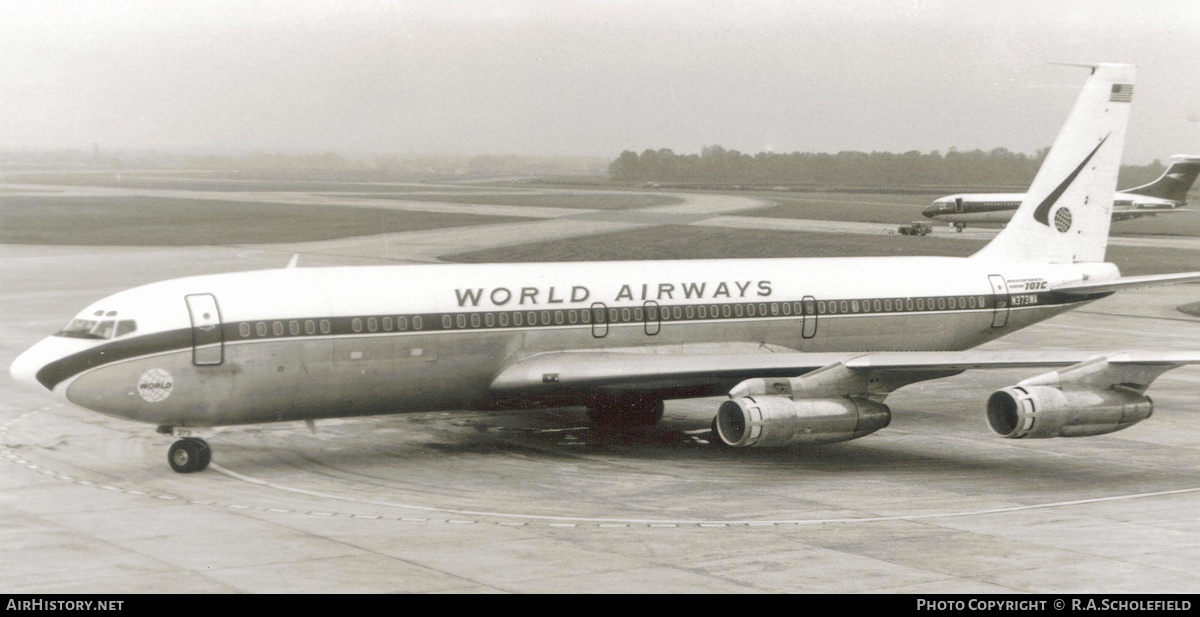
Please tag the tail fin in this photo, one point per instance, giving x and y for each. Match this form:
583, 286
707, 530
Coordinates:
1064, 217
1175, 182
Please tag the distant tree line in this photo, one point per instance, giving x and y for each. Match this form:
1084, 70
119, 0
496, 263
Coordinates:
380, 167
716, 165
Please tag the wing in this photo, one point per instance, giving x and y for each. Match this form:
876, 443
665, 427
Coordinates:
1126, 215
701, 374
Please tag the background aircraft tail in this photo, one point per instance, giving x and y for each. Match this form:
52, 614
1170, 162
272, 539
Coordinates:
1175, 183
1065, 216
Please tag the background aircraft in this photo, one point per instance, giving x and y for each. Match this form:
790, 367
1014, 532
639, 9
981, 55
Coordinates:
1166, 194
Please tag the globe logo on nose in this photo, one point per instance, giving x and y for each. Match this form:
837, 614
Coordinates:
155, 385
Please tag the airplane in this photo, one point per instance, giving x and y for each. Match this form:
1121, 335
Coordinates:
807, 350
1167, 194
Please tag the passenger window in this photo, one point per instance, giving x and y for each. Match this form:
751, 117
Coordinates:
518, 319
908, 304
447, 322
878, 306
503, 319
372, 324
887, 305
920, 304
750, 310
701, 310
294, 327
558, 317
585, 316
474, 320
690, 311
243, 329
489, 319
261, 328
842, 307
310, 327
531, 318
573, 316
738, 309
324, 326
854, 306
726, 310
833, 308
972, 301
624, 314
401, 323
677, 312
461, 320
962, 302
277, 328
637, 314
666, 313
787, 308
941, 303
775, 308
417, 323
982, 302
356, 324
545, 318
387, 324
762, 310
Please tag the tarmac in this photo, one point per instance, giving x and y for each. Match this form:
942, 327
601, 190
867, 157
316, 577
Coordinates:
538, 501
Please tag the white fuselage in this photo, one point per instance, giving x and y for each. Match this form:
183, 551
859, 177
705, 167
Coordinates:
998, 208
325, 342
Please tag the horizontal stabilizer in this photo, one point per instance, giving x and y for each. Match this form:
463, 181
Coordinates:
1083, 288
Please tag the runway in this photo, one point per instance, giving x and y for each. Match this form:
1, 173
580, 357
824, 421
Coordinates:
538, 501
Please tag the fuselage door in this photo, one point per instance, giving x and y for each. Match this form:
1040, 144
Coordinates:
652, 323
809, 329
208, 343
958, 205
599, 320
1001, 300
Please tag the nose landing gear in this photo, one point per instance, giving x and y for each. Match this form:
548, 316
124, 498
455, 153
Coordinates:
189, 455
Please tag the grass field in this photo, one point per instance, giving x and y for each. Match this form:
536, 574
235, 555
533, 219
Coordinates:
687, 242
179, 222
200, 182
587, 201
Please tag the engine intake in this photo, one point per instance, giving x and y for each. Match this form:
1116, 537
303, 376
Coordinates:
775, 421
1036, 412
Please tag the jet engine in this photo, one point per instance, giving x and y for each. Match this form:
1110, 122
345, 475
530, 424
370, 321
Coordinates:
1034, 412
774, 421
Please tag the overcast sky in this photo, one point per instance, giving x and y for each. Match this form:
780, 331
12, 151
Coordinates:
585, 77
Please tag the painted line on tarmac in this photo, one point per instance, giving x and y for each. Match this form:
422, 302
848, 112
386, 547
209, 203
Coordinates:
1114, 330
608, 522
7, 452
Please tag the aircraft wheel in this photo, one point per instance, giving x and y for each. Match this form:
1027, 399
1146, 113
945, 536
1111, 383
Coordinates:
189, 455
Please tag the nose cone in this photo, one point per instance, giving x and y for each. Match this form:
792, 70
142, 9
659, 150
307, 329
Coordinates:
27, 365
931, 211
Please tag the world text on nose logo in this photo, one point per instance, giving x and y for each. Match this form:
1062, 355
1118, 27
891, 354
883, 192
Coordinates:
155, 385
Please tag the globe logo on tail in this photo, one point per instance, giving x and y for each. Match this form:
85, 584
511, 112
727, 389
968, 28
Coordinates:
1062, 220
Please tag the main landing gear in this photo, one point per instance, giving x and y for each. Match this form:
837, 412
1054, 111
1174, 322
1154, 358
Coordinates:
189, 454
625, 412
958, 227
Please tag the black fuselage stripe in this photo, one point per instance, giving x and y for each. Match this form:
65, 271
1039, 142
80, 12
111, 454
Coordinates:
65, 368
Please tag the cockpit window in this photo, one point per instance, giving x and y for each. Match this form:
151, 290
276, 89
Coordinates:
97, 329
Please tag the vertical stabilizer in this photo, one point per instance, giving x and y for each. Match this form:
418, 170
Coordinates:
1175, 182
1066, 213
